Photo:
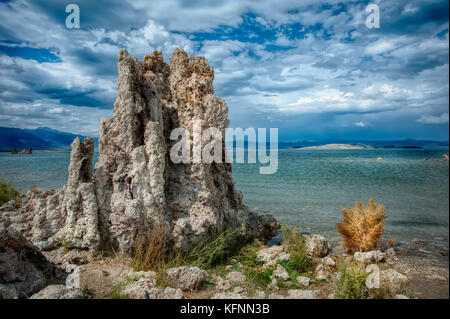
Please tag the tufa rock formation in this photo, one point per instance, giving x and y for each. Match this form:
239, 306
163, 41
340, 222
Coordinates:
23, 269
135, 186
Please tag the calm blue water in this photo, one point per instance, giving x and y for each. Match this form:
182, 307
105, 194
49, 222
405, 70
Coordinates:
310, 187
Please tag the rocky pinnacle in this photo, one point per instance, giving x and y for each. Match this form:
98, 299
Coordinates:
135, 186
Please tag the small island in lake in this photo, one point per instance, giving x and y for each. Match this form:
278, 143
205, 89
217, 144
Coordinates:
340, 146
334, 147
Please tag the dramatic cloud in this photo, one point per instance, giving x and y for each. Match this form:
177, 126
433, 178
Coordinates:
311, 69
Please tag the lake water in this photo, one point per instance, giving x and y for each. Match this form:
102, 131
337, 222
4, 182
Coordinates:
311, 186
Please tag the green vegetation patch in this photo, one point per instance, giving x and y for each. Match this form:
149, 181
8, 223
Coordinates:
294, 244
351, 283
7, 191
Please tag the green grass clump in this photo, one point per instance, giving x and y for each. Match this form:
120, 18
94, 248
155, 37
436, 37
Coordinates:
219, 250
352, 282
116, 293
7, 191
294, 244
247, 262
261, 277
252, 268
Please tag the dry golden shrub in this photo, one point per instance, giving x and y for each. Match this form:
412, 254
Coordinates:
362, 226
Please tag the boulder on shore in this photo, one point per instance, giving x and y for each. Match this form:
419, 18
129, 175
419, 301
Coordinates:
187, 278
317, 245
23, 270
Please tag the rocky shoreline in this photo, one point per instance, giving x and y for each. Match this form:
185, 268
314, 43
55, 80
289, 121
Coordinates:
77, 274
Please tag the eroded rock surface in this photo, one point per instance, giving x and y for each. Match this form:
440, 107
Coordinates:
368, 257
281, 273
135, 186
187, 278
303, 281
23, 270
317, 245
58, 292
271, 255
147, 289
66, 217
236, 277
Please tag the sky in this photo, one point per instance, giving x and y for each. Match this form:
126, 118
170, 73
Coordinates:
310, 68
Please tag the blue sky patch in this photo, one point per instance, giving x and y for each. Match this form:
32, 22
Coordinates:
39, 55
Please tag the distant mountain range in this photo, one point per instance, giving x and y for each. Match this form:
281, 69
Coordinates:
42, 138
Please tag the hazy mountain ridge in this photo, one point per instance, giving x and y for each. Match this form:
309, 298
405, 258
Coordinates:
40, 138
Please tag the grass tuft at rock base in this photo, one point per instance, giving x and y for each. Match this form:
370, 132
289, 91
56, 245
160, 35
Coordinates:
7, 191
